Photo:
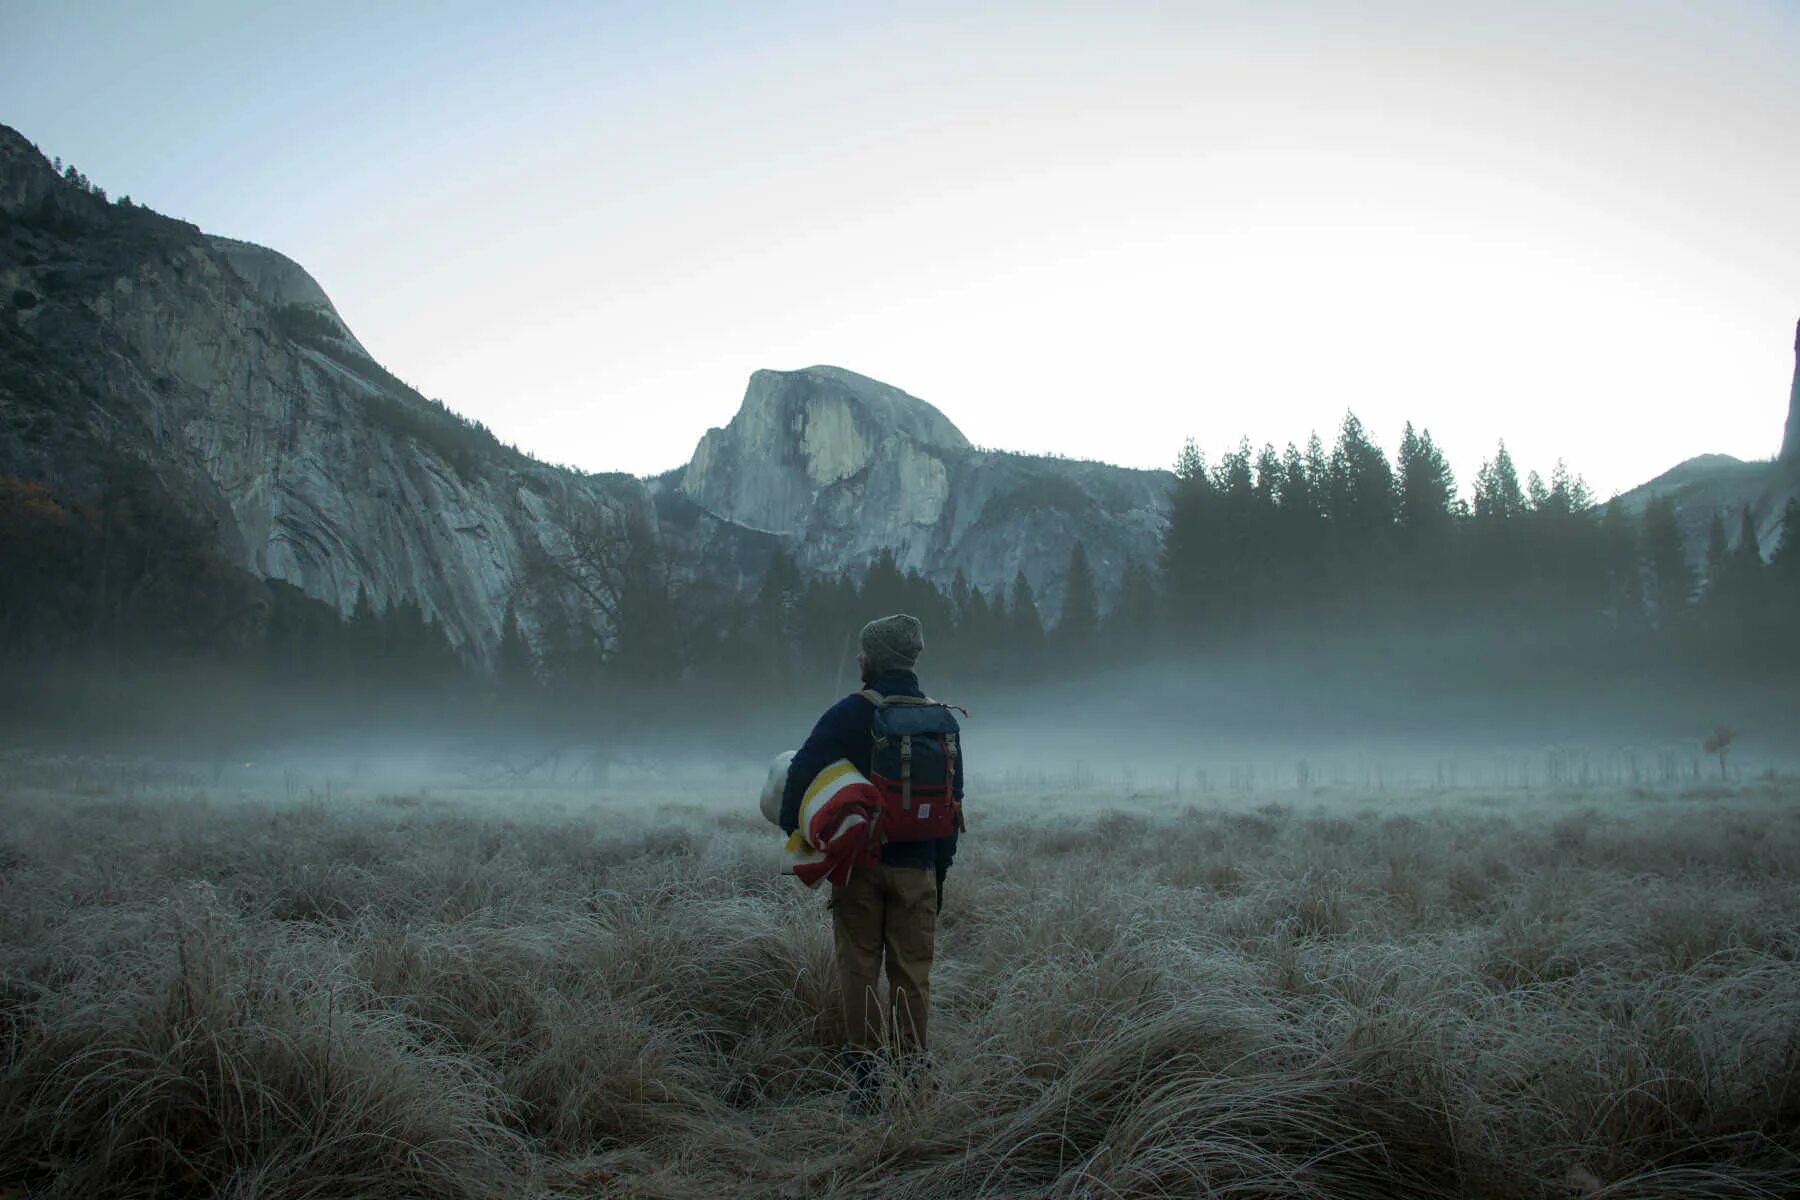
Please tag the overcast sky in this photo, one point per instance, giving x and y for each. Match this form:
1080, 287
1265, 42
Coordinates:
1087, 229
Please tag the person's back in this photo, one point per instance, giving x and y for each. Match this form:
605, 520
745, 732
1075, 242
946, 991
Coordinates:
891, 908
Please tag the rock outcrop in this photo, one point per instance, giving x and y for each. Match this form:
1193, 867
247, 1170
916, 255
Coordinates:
841, 467
224, 368
1790, 442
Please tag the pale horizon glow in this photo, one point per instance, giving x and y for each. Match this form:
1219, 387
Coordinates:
1085, 230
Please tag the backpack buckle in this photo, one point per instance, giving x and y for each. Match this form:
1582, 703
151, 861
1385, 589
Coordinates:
906, 773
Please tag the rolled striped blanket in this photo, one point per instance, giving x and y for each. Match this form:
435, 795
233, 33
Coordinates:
839, 822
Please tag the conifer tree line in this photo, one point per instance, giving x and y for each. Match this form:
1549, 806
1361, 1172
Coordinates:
1339, 538
1343, 536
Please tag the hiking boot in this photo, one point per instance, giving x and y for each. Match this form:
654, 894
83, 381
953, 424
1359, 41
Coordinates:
862, 1072
914, 1075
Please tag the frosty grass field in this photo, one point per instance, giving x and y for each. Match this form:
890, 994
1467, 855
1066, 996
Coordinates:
282, 983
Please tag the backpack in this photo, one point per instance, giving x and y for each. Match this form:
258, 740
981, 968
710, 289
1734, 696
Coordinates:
915, 764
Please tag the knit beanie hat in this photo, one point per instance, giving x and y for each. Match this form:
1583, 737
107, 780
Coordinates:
893, 643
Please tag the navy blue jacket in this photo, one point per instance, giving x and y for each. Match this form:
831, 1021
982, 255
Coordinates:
843, 732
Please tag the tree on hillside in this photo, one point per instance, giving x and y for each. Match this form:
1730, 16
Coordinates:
773, 626
1500, 549
1359, 486
1498, 495
1747, 553
363, 638
1080, 619
515, 667
1564, 538
1191, 539
1426, 487
1786, 560
926, 601
1784, 586
615, 562
1242, 528
1132, 619
1738, 604
1026, 626
827, 618
884, 586
978, 630
1623, 567
1359, 503
1718, 555
1301, 538
1425, 514
1668, 579
1271, 475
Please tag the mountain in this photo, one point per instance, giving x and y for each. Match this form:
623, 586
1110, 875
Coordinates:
841, 467
223, 369
1718, 484
221, 372
1790, 442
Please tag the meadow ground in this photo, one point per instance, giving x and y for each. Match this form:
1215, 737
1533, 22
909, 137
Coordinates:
317, 987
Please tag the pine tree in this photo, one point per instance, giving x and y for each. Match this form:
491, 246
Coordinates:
1783, 588
515, 666
1191, 539
1499, 567
1080, 619
959, 594
1537, 493
364, 639
1238, 529
1569, 493
1360, 485
1271, 476
977, 631
1737, 597
1426, 486
826, 621
1425, 497
1132, 619
1747, 553
773, 625
1360, 507
1027, 627
1669, 581
1562, 535
1298, 543
1497, 492
884, 587
976, 634
1785, 562
1718, 554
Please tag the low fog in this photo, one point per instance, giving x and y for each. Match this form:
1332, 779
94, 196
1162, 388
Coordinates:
1286, 710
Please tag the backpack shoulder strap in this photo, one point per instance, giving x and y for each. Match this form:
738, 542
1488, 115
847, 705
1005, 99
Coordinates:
878, 700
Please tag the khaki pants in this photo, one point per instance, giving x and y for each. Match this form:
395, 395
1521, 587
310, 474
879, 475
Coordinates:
891, 908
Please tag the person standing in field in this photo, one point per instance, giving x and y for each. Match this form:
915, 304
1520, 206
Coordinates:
909, 747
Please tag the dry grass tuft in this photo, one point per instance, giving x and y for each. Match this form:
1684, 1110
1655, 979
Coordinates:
462, 996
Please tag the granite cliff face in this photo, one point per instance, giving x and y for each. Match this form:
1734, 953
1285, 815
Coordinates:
224, 368
841, 467
1790, 442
